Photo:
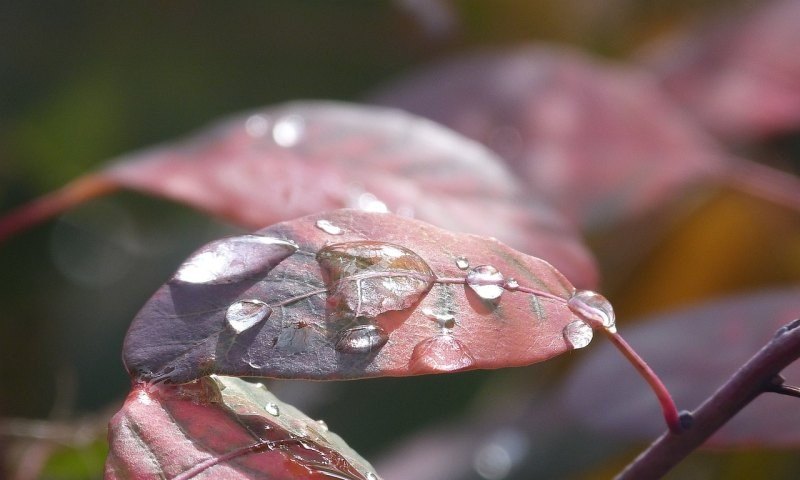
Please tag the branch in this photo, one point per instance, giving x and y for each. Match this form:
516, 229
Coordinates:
757, 376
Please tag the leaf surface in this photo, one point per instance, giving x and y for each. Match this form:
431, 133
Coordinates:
223, 428
693, 351
383, 295
600, 141
740, 75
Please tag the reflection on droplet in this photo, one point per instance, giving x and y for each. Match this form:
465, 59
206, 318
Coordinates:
486, 281
257, 125
367, 278
370, 203
578, 334
273, 409
244, 314
361, 339
232, 259
512, 284
441, 353
327, 227
289, 130
462, 263
322, 425
444, 319
504, 450
594, 308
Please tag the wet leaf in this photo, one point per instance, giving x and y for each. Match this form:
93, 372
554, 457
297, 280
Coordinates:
740, 75
600, 141
299, 158
693, 351
383, 296
223, 428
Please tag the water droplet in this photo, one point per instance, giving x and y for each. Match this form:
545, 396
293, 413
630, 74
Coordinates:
371, 476
245, 314
366, 278
486, 281
512, 284
232, 259
441, 353
322, 425
370, 203
289, 130
445, 320
273, 409
362, 339
578, 334
593, 307
462, 262
328, 227
257, 125
260, 386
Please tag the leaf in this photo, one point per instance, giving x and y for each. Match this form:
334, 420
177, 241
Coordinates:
600, 141
740, 75
299, 158
694, 351
223, 428
365, 294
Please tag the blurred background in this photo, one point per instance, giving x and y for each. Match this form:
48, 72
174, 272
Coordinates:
83, 82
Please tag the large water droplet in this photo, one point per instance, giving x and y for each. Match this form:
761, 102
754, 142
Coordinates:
257, 125
593, 307
329, 228
245, 314
444, 319
362, 339
273, 409
367, 278
486, 281
289, 130
232, 259
441, 353
462, 263
578, 334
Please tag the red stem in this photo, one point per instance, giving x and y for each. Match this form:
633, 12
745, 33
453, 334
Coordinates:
51, 204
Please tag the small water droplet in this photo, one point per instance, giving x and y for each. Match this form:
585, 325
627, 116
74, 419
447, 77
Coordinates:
328, 227
370, 203
371, 476
441, 353
257, 125
361, 339
578, 334
245, 314
232, 259
260, 386
593, 307
289, 130
366, 278
486, 281
322, 425
273, 409
512, 284
445, 320
462, 262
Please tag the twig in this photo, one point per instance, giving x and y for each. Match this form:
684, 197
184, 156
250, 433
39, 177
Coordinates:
754, 378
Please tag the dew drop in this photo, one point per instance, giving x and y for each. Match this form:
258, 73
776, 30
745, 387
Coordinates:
273, 409
486, 281
593, 307
261, 386
462, 263
257, 125
361, 339
445, 320
289, 130
365, 278
245, 314
232, 259
441, 353
371, 476
578, 334
370, 203
322, 425
327, 227
512, 284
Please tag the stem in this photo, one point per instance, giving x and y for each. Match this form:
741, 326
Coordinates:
53, 203
763, 181
668, 407
753, 378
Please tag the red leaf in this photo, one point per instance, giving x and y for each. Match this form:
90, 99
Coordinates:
365, 294
694, 351
299, 158
599, 140
223, 428
741, 76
